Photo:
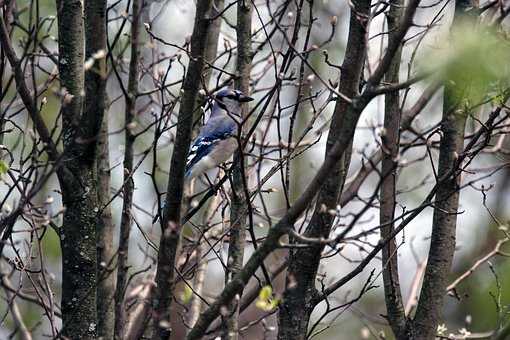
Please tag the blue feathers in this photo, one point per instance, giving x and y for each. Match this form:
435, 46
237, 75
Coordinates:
200, 149
215, 144
203, 145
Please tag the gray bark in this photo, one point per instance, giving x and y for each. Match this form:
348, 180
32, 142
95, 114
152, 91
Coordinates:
128, 183
105, 232
78, 233
93, 115
297, 303
390, 149
210, 56
239, 199
444, 221
170, 222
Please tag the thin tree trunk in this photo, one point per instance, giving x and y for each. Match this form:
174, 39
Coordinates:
213, 36
105, 232
297, 303
128, 181
444, 221
139, 318
239, 199
95, 106
390, 148
199, 279
79, 197
170, 223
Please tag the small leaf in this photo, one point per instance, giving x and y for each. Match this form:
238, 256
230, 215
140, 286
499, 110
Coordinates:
186, 294
274, 303
4, 167
265, 293
262, 304
266, 302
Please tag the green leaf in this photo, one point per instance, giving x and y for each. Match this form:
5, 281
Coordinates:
475, 61
4, 167
186, 294
266, 301
266, 292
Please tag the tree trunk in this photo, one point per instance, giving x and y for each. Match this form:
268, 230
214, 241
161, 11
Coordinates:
105, 232
78, 234
239, 199
444, 221
199, 278
300, 289
128, 181
94, 108
442, 243
170, 222
390, 148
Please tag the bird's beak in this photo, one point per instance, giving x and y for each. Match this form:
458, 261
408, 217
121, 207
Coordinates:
244, 98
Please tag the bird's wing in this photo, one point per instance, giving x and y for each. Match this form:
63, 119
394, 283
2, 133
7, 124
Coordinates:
204, 144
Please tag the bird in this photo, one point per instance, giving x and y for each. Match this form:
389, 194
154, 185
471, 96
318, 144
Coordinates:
216, 140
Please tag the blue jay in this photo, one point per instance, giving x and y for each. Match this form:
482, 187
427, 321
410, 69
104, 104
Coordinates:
216, 141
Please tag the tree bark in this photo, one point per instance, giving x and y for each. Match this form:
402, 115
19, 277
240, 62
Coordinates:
78, 234
239, 200
105, 232
389, 166
94, 114
444, 221
128, 181
300, 289
213, 35
170, 223
199, 278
